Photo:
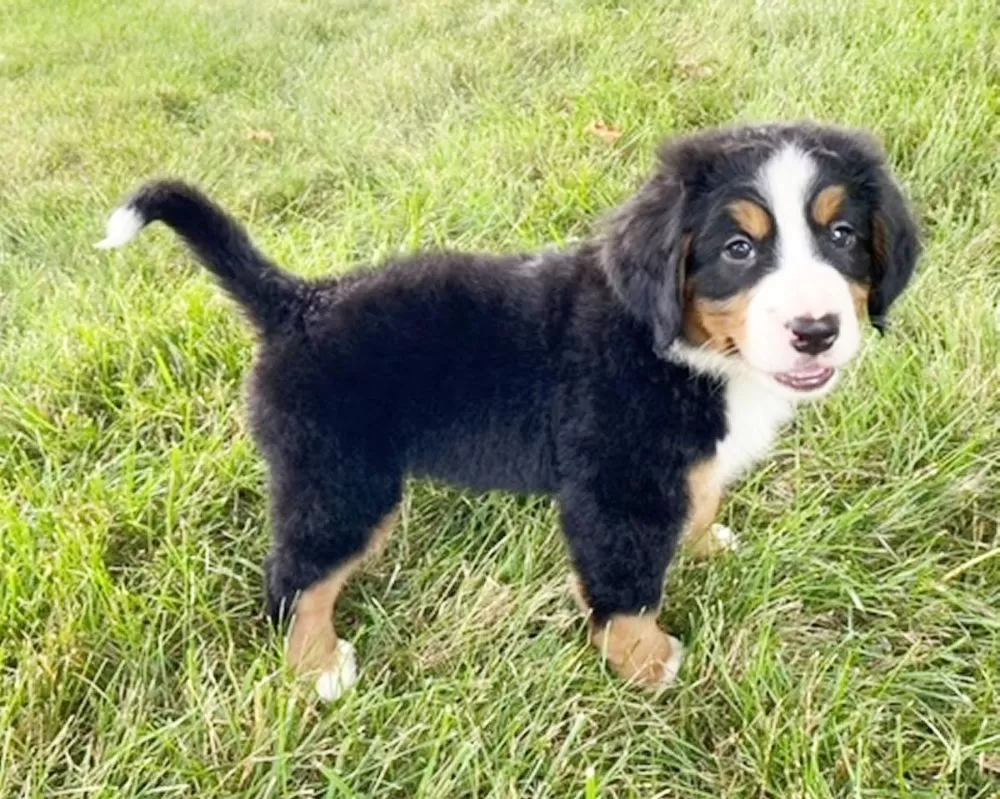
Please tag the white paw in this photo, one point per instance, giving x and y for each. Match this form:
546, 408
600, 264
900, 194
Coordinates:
724, 539
333, 684
673, 665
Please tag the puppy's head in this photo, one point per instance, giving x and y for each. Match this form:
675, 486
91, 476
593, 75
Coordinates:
762, 248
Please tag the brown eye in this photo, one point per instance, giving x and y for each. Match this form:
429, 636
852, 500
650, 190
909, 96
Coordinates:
739, 248
842, 235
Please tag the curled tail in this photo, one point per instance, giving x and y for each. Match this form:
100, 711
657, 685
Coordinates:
269, 295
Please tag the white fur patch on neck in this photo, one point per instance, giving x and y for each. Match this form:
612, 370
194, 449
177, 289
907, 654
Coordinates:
754, 415
755, 410
704, 360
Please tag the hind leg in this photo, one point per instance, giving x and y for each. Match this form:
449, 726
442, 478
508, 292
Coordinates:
326, 521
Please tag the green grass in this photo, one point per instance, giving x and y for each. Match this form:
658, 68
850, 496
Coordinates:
852, 648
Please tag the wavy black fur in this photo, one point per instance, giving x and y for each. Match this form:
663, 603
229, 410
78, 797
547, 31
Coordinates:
539, 374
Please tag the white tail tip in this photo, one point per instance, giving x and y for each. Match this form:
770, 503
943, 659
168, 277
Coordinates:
123, 226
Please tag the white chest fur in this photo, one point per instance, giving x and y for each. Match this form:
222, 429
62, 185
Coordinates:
754, 415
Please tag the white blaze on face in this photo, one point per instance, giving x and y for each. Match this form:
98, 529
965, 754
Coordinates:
802, 283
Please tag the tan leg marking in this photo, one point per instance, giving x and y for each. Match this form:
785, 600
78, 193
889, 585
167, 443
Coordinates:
702, 538
638, 650
635, 646
313, 646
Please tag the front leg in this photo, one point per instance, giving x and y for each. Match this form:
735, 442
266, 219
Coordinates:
702, 537
621, 557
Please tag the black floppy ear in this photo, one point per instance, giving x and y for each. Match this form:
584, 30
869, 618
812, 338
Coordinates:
895, 249
643, 255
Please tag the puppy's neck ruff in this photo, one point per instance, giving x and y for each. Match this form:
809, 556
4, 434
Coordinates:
755, 411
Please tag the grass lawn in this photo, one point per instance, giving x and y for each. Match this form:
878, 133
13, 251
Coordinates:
851, 648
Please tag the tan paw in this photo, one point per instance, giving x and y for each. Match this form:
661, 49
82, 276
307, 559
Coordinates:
639, 651
659, 673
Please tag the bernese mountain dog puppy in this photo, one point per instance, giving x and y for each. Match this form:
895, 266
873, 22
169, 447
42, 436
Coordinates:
631, 378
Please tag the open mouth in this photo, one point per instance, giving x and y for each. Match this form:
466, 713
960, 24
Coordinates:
808, 378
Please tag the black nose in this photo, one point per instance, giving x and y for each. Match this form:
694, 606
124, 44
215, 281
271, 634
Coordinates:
813, 336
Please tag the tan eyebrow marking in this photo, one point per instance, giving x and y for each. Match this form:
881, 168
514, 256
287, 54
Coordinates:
753, 219
828, 203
